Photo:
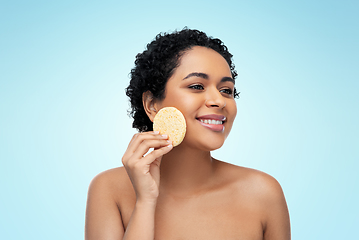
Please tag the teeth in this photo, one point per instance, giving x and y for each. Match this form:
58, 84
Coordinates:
211, 121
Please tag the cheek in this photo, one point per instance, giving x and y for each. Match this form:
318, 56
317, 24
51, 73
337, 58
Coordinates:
180, 98
235, 111
232, 111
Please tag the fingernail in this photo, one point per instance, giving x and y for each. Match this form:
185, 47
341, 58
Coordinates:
164, 136
156, 132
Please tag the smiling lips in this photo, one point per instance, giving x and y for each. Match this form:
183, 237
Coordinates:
213, 122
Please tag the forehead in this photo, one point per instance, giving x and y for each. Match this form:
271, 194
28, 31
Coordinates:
203, 59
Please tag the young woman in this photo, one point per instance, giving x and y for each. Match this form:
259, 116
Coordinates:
182, 192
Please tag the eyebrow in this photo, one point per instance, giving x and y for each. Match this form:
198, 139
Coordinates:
205, 76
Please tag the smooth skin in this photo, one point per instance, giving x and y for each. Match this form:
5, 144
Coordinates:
182, 192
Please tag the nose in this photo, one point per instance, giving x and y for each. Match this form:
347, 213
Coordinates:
215, 99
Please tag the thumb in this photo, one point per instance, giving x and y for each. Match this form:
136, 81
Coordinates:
157, 161
155, 169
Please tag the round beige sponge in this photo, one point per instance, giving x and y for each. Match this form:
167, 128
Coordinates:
170, 121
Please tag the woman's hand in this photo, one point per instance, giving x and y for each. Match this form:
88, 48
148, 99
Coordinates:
103, 216
144, 171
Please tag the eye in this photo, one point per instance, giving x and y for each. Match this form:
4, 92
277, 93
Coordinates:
227, 91
196, 87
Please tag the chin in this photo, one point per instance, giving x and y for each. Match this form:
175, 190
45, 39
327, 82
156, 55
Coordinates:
213, 144
216, 146
209, 145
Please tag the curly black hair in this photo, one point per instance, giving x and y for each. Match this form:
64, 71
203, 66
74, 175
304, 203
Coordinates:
158, 62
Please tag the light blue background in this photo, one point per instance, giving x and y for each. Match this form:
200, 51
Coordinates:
64, 66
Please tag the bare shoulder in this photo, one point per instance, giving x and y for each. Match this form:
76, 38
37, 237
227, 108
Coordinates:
103, 217
261, 193
253, 182
111, 182
111, 176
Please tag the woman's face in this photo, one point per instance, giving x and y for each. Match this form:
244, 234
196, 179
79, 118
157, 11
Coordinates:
202, 88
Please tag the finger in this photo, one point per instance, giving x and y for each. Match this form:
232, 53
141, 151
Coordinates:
135, 142
155, 169
138, 134
146, 145
139, 138
156, 155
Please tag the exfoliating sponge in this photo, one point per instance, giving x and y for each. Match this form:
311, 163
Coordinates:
170, 121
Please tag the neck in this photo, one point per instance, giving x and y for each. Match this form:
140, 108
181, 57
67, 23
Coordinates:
186, 171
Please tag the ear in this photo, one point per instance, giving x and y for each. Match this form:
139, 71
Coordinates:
149, 104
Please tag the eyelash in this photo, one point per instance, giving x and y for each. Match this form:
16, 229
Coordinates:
196, 87
228, 91
200, 87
